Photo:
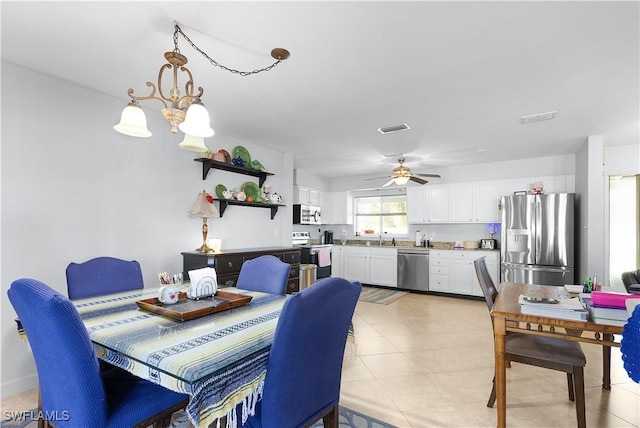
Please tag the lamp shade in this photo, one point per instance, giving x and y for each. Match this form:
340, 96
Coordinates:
203, 208
196, 122
401, 180
133, 122
193, 143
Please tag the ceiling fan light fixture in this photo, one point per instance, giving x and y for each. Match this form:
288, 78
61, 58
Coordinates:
401, 180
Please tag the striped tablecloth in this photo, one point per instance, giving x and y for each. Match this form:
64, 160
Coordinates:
219, 360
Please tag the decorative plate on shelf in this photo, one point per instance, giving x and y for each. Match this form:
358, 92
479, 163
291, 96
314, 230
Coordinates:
222, 156
257, 165
219, 189
242, 153
251, 189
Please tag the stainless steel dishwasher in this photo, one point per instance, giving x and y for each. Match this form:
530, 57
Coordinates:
413, 269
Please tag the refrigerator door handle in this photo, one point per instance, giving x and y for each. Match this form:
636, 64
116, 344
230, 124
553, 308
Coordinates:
537, 268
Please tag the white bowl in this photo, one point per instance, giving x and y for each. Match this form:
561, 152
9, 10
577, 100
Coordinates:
573, 288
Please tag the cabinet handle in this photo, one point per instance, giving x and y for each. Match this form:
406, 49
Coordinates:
230, 264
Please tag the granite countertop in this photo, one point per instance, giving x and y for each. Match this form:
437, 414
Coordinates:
407, 244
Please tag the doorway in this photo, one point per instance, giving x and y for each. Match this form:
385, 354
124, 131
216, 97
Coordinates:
624, 227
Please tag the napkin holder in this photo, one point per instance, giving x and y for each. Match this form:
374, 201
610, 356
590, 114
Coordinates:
203, 283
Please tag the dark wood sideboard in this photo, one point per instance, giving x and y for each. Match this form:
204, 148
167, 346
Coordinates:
228, 263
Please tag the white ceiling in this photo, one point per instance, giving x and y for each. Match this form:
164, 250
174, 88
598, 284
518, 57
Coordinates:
460, 74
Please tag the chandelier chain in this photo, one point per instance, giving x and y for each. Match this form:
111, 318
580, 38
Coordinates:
213, 61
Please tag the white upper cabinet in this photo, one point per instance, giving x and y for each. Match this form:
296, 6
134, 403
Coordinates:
340, 208
475, 202
428, 204
416, 205
437, 203
308, 196
461, 197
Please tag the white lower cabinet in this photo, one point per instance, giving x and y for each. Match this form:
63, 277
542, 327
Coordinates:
337, 261
377, 266
452, 271
439, 270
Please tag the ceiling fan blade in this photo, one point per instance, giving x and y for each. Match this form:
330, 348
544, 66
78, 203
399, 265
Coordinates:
429, 175
388, 183
418, 180
375, 178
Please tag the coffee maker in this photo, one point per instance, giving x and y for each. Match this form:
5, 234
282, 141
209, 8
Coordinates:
328, 236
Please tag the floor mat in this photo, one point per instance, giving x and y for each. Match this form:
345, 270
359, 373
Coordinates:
380, 295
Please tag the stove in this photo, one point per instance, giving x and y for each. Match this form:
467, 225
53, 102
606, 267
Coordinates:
310, 253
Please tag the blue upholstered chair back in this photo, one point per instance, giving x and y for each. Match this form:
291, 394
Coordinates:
67, 367
305, 363
267, 274
103, 275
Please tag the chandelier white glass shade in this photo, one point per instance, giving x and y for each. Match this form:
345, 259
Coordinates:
196, 122
183, 111
133, 121
193, 143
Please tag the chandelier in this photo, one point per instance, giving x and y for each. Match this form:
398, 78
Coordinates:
183, 111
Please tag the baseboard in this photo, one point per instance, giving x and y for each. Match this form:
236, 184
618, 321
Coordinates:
18, 386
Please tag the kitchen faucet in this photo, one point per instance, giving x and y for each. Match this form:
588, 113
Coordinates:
380, 243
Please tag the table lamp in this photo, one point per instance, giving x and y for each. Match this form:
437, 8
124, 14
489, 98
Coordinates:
203, 207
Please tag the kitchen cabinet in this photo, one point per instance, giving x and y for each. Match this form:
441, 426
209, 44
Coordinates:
453, 271
370, 265
339, 209
337, 261
474, 202
428, 204
439, 270
307, 196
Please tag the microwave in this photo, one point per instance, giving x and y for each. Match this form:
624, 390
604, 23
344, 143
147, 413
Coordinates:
306, 214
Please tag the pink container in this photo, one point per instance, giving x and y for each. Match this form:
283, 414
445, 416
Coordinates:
610, 299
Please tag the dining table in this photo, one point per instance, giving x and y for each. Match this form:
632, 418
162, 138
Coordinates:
507, 317
219, 359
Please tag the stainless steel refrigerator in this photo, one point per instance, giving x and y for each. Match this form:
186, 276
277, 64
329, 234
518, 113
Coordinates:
537, 239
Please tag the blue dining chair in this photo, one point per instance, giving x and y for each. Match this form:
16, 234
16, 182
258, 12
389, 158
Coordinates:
313, 326
267, 274
103, 275
73, 391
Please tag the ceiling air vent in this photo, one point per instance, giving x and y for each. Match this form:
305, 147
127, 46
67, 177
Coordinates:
394, 128
538, 117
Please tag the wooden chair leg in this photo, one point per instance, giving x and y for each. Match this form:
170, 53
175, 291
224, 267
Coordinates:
331, 419
492, 397
571, 387
578, 381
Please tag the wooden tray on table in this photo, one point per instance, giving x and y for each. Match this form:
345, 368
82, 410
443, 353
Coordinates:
187, 309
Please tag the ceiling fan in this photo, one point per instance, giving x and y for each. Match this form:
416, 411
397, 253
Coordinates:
402, 175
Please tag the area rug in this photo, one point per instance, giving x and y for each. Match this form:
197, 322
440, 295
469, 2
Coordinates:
348, 419
380, 295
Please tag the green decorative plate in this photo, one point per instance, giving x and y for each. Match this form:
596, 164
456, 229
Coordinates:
251, 189
256, 164
219, 189
242, 153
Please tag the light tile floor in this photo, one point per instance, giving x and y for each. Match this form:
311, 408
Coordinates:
427, 361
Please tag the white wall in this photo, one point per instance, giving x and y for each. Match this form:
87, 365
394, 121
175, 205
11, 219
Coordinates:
73, 189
